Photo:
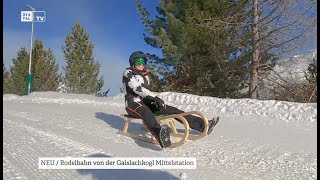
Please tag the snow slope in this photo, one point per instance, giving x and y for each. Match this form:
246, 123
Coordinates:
291, 71
294, 68
253, 140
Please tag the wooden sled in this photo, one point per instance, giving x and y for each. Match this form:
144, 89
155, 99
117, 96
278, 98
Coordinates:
169, 120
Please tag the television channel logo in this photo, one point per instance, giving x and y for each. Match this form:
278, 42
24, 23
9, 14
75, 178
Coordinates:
33, 16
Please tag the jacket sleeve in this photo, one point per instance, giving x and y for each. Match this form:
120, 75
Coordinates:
136, 83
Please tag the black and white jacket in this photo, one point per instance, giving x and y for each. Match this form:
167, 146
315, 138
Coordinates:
136, 86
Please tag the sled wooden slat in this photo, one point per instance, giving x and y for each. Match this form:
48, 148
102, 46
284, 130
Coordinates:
136, 136
170, 120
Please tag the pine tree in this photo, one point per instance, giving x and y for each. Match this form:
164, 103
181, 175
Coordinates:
155, 82
102, 93
198, 38
18, 72
156, 71
81, 71
44, 68
311, 77
6, 80
311, 74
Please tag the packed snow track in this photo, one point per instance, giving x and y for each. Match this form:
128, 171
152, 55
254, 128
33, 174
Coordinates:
253, 140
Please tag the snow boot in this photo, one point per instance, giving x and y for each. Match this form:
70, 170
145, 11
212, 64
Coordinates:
164, 136
212, 123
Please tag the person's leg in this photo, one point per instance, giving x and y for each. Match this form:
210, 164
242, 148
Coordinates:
195, 122
142, 111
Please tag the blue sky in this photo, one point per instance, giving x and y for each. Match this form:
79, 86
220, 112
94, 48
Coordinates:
114, 27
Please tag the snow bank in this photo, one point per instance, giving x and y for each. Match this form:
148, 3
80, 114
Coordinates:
294, 114
289, 112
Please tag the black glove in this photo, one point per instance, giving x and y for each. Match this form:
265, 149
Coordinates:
157, 101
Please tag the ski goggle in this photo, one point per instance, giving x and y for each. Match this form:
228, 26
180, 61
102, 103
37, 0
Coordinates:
140, 61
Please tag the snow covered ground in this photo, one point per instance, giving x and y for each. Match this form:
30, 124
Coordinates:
253, 140
294, 68
286, 71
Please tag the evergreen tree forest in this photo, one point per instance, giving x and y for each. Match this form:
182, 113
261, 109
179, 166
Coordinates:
212, 48
44, 70
81, 73
222, 48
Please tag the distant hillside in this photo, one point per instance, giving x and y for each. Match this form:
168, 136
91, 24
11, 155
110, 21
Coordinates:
294, 68
289, 71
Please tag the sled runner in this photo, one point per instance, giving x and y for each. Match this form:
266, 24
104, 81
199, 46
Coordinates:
169, 120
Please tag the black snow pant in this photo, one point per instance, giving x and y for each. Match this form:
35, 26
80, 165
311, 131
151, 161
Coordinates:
146, 111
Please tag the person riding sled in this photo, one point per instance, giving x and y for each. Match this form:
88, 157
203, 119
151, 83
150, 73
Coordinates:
141, 102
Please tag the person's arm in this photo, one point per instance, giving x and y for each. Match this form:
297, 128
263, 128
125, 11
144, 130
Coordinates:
135, 82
